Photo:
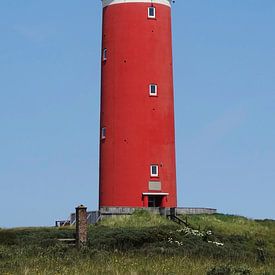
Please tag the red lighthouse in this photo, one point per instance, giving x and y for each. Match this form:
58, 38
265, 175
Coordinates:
137, 135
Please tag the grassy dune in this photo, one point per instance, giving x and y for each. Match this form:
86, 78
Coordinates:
145, 244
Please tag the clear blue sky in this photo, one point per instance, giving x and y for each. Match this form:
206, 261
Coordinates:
224, 64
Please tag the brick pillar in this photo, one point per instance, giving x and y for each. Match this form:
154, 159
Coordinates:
81, 226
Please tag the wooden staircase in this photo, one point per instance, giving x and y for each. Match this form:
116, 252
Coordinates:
178, 220
173, 217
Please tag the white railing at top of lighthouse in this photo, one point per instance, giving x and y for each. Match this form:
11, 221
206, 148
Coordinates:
106, 3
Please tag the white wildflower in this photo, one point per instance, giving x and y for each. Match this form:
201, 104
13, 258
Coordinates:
216, 243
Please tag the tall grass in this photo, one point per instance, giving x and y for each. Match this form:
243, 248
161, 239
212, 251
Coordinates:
261, 232
140, 218
228, 224
145, 243
85, 262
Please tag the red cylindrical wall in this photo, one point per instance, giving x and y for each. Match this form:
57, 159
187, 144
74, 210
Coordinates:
137, 129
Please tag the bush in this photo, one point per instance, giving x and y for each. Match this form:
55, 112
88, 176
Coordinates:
228, 270
126, 238
7, 237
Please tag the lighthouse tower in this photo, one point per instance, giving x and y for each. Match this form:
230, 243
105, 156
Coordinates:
137, 135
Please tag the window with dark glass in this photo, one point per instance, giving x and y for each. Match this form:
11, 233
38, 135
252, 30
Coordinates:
154, 170
151, 12
103, 133
104, 55
153, 89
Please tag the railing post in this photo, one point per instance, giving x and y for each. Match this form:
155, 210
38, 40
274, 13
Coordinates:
81, 226
173, 211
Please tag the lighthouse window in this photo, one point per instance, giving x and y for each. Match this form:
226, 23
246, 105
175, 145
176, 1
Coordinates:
103, 133
153, 89
154, 170
104, 55
151, 12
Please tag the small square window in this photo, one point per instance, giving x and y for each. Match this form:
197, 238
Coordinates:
151, 12
104, 55
153, 89
103, 133
154, 170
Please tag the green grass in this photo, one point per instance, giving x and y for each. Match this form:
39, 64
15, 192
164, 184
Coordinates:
229, 225
139, 219
145, 244
262, 232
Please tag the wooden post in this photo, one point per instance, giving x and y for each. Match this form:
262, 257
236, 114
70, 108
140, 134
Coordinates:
81, 226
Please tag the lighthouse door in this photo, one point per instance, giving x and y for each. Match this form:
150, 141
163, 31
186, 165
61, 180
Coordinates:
154, 201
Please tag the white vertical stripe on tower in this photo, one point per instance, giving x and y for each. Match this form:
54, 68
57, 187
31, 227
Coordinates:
112, 2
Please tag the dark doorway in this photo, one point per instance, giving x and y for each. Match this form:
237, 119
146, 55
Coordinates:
154, 201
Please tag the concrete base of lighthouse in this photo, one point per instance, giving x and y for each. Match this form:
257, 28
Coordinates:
109, 212
114, 211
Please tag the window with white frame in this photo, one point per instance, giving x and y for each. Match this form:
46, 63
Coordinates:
103, 132
154, 170
104, 55
151, 12
153, 89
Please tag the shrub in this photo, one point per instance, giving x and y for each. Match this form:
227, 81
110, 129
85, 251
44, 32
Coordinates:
126, 238
228, 270
7, 237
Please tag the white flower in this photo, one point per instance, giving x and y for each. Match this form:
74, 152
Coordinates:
216, 243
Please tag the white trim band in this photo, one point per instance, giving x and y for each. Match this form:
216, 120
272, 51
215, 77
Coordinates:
106, 3
155, 194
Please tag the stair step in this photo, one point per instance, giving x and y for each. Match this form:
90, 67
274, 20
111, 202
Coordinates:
67, 240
